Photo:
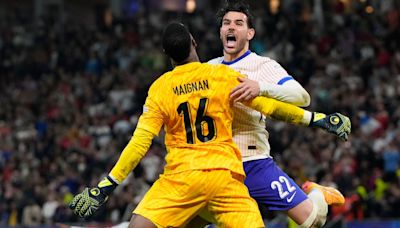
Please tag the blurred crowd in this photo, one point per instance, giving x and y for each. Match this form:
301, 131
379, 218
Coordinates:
71, 95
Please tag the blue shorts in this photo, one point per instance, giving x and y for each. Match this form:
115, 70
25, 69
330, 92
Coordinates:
270, 186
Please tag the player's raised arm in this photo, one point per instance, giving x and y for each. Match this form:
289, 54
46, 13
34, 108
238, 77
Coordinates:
150, 122
335, 123
289, 91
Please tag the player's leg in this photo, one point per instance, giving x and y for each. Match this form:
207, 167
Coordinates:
140, 221
306, 211
172, 201
261, 175
275, 190
301, 212
270, 186
313, 211
310, 212
321, 197
231, 205
198, 222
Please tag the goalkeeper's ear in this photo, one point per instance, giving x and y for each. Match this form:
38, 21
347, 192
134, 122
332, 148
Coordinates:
194, 43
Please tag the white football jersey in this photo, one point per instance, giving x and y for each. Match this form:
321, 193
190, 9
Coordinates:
248, 127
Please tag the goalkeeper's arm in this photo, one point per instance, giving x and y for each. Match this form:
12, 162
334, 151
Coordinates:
86, 203
335, 123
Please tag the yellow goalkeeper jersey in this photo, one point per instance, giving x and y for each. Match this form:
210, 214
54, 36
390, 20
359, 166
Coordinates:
192, 102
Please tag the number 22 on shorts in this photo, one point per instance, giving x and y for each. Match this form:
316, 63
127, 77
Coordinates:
277, 185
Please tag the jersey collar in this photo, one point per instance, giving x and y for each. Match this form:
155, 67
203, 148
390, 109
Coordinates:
187, 67
238, 59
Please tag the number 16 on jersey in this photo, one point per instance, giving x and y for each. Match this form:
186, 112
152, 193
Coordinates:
204, 125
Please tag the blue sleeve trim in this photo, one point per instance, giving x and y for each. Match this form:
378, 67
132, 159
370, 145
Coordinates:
285, 79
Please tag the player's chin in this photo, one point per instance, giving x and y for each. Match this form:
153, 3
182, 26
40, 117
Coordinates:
231, 50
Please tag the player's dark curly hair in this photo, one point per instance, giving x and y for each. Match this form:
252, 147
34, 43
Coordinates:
176, 41
236, 6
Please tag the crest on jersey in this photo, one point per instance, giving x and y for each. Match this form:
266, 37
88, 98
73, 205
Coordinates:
145, 109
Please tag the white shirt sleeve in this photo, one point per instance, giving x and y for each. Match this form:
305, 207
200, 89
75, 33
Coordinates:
290, 92
272, 72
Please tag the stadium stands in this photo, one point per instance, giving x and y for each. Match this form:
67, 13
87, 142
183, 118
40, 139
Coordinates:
70, 96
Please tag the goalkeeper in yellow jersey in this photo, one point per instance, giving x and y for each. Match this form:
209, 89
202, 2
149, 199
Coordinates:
204, 170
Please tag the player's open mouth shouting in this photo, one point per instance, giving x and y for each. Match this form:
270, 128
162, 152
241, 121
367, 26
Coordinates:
230, 40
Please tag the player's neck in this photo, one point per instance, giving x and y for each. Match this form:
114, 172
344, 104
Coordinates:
190, 59
232, 57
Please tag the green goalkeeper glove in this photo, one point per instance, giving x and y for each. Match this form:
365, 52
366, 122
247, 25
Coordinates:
335, 123
86, 203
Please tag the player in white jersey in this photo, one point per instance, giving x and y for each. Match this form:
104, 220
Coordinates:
249, 126
267, 183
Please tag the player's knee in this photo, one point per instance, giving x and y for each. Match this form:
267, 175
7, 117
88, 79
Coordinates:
315, 219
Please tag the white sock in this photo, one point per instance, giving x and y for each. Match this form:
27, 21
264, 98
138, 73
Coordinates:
317, 197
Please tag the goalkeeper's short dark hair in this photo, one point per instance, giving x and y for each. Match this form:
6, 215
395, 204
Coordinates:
176, 41
236, 6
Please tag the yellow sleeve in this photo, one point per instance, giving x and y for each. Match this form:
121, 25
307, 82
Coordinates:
149, 125
152, 118
132, 154
280, 111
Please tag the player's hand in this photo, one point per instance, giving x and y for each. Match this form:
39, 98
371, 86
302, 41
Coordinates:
245, 91
86, 203
335, 123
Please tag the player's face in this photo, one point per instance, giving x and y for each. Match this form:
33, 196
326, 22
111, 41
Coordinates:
235, 33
